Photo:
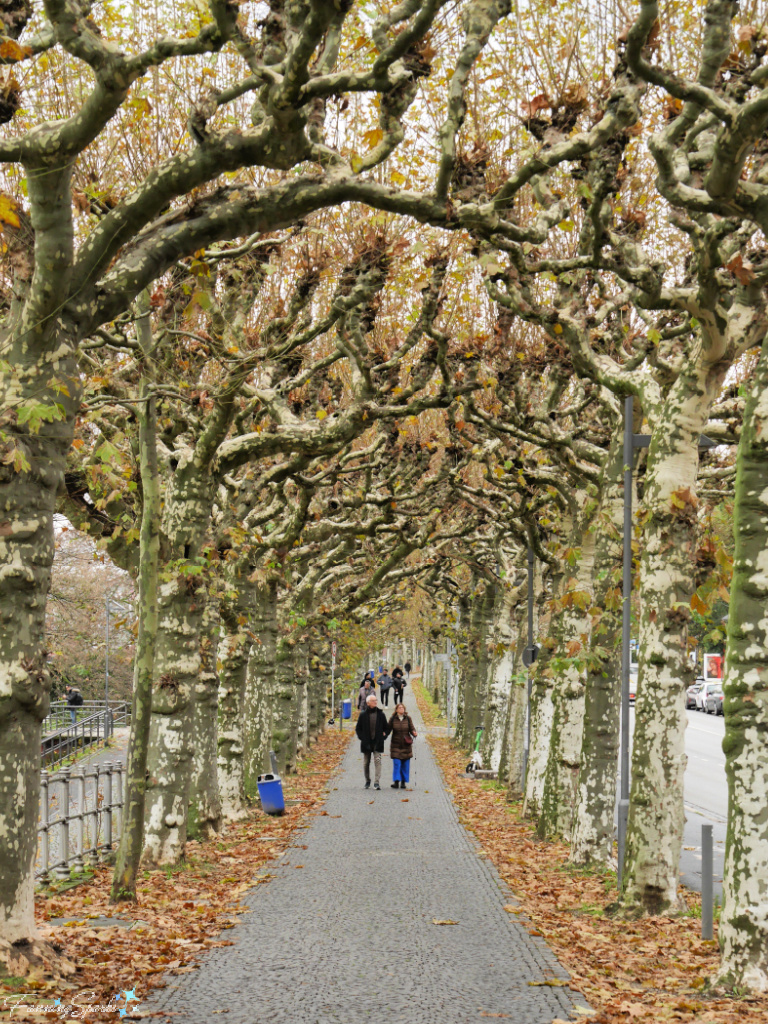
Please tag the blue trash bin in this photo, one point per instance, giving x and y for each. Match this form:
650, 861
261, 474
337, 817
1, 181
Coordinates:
346, 709
271, 794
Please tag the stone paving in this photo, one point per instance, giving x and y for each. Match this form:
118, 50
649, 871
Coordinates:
344, 933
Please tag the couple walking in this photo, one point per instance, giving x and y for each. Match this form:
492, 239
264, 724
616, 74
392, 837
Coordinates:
372, 729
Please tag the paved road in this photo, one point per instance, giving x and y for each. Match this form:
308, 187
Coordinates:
705, 794
350, 937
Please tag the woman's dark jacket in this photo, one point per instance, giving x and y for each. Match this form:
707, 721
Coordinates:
398, 747
363, 731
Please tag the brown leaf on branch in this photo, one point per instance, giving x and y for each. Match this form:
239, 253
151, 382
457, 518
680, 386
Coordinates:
741, 269
540, 102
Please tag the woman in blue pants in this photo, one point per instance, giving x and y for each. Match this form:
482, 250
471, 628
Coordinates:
401, 746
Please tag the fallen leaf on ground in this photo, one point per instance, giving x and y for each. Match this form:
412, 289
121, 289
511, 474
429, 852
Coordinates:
647, 971
179, 913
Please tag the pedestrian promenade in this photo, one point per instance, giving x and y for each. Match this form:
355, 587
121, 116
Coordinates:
344, 932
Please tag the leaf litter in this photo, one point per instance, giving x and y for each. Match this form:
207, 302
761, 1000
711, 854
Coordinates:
179, 913
647, 971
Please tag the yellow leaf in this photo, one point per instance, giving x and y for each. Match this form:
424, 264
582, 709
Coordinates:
321, 414
373, 137
10, 50
558, 329
397, 178
8, 208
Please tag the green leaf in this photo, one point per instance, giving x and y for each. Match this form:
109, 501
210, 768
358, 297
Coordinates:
106, 452
34, 414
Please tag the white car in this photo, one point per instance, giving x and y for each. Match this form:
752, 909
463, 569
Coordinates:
690, 695
704, 692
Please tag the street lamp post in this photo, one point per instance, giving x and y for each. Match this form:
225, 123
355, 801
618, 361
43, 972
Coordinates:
107, 714
106, 672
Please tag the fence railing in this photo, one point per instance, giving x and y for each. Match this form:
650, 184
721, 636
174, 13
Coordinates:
61, 737
59, 714
81, 817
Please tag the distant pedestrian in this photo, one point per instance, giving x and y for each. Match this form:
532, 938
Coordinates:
365, 692
74, 700
401, 746
398, 681
372, 729
385, 685
407, 667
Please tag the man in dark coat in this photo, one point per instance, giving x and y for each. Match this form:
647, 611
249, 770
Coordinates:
372, 729
399, 683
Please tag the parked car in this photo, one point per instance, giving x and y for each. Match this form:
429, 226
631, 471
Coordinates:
715, 699
704, 692
632, 683
690, 694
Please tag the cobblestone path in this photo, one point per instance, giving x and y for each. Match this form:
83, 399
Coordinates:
343, 932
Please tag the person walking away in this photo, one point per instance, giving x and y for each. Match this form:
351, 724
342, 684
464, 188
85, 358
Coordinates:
407, 667
401, 746
372, 729
74, 700
385, 685
398, 682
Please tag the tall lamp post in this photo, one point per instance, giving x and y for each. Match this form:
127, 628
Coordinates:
631, 441
107, 716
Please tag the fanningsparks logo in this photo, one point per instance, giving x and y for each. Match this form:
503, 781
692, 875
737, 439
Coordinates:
80, 1007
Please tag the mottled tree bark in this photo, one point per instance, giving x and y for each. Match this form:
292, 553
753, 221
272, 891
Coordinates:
656, 815
181, 598
31, 472
502, 639
205, 814
258, 707
299, 671
475, 665
743, 928
542, 710
132, 838
593, 822
234, 649
561, 778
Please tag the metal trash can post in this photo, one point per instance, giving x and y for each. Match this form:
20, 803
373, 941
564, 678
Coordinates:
93, 828
107, 806
707, 883
79, 816
44, 846
62, 871
118, 796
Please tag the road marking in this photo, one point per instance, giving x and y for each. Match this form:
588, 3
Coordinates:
704, 813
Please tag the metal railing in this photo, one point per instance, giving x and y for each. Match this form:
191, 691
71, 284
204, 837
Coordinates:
59, 714
94, 723
81, 817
